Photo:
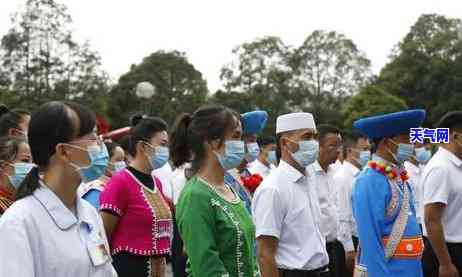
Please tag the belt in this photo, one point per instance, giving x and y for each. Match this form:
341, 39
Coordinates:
318, 270
408, 248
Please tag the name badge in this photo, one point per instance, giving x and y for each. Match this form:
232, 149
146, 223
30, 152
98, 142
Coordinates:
98, 253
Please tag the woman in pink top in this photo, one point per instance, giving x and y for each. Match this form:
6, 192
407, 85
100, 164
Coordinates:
136, 215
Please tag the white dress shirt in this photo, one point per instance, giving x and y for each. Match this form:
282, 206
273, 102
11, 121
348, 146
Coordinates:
285, 207
335, 166
327, 197
177, 182
441, 181
415, 173
257, 167
41, 237
344, 180
164, 174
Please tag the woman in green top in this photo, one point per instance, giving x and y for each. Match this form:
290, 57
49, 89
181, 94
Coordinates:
217, 230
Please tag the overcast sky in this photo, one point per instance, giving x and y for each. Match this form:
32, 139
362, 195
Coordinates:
207, 30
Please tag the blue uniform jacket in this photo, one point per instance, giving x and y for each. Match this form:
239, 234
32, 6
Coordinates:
370, 199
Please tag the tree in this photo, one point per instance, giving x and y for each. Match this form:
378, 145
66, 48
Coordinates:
240, 102
371, 100
261, 76
41, 61
425, 68
179, 88
328, 68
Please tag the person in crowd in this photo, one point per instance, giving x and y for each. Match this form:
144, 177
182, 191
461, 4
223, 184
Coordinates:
330, 142
357, 154
180, 176
135, 212
13, 122
49, 231
252, 124
390, 239
414, 168
217, 230
15, 164
112, 161
443, 201
266, 160
285, 208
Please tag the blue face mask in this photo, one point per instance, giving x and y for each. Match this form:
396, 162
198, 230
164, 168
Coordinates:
272, 157
307, 152
20, 172
253, 150
422, 155
233, 156
99, 160
364, 157
159, 157
404, 153
118, 166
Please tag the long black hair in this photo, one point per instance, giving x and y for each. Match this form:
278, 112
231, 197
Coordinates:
10, 119
53, 123
189, 133
143, 129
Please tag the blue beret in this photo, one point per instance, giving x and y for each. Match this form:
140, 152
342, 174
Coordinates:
253, 122
389, 125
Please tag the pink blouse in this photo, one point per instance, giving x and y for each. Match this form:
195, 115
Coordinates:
145, 224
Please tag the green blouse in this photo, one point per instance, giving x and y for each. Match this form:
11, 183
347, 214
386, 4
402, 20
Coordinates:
218, 235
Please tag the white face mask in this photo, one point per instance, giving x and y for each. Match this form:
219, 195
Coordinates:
308, 151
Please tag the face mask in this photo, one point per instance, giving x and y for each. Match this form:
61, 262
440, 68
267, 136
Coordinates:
253, 150
159, 157
307, 152
364, 157
118, 166
404, 153
422, 155
272, 157
20, 172
233, 156
99, 160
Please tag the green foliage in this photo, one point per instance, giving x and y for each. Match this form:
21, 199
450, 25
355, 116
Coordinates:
179, 88
372, 100
328, 68
317, 77
261, 77
40, 60
425, 68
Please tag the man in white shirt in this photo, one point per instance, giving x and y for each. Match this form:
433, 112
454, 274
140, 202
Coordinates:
266, 159
357, 153
285, 207
442, 187
330, 142
414, 168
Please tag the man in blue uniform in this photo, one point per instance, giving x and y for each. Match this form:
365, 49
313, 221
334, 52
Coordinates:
389, 235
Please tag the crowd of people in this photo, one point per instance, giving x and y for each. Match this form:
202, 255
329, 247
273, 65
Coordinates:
209, 195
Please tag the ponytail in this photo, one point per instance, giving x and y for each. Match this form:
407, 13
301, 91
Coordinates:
180, 152
29, 184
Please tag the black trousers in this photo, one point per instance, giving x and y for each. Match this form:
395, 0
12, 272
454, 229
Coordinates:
323, 272
179, 258
337, 259
355, 242
430, 262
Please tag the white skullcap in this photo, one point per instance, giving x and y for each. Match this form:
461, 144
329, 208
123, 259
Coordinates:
294, 121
